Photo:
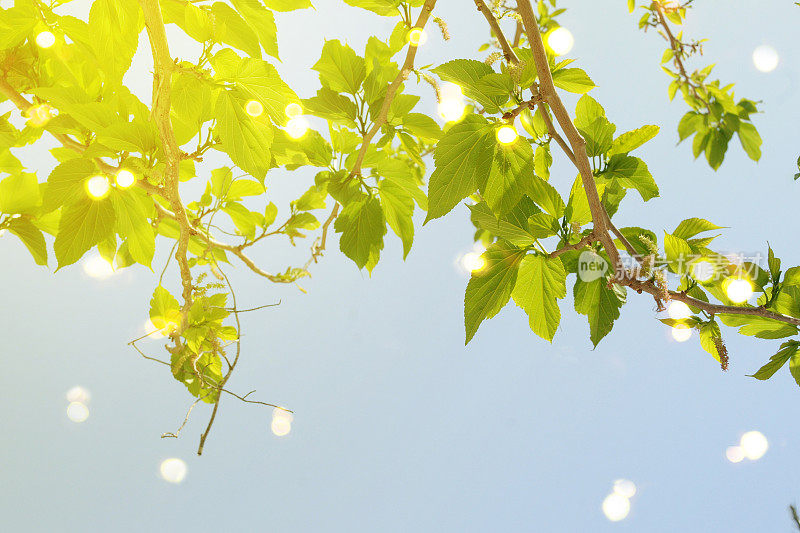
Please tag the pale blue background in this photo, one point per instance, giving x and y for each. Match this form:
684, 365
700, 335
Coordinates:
398, 426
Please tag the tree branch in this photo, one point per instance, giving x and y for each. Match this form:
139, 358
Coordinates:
586, 241
163, 66
383, 114
578, 144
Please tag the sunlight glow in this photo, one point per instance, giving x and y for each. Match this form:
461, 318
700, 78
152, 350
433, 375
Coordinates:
560, 41
281, 422
39, 115
616, 507
124, 178
506, 134
738, 290
297, 127
173, 470
625, 487
678, 310
734, 454
77, 412
681, 332
78, 394
702, 270
292, 110
754, 444
253, 108
472, 262
97, 187
417, 37
95, 266
45, 39
765, 58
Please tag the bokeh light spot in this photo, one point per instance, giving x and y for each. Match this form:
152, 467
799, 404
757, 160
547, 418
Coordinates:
77, 412
754, 444
173, 470
45, 39
560, 41
97, 187
765, 58
254, 108
616, 507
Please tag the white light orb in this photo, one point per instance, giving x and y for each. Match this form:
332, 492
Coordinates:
681, 332
560, 41
281, 426
293, 110
124, 178
702, 270
734, 454
173, 470
754, 444
39, 115
616, 507
78, 394
738, 290
417, 37
678, 310
765, 58
96, 266
254, 108
452, 109
45, 39
77, 412
97, 187
297, 127
472, 262
506, 134
625, 487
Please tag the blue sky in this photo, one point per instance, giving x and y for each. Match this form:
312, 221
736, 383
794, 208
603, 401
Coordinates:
398, 426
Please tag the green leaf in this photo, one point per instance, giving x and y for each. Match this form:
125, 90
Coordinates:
540, 284
332, 106
573, 80
398, 206
512, 167
591, 121
422, 126
233, 30
513, 229
600, 304
262, 22
463, 160
468, 74
632, 173
31, 237
542, 161
788, 350
287, 5
387, 8
260, 80
692, 226
708, 332
19, 193
630, 141
489, 288
246, 141
545, 195
133, 225
340, 68
750, 139
165, 311
759, 327
83, 224
362, 226
114, 26
140, 137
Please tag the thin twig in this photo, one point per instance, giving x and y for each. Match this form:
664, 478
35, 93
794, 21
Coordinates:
176, 434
